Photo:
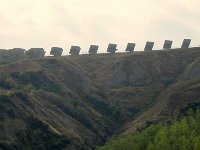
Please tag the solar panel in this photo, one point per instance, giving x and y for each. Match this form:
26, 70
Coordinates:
35, 53
93, 49
149, 46
75, 50
186, 43
167, 44
130, 47
112, 48
56, 51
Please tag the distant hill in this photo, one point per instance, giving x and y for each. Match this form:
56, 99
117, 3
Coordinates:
80, 102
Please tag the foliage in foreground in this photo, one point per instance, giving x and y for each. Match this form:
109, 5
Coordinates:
179, 135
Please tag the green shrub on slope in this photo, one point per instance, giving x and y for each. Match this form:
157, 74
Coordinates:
180, 135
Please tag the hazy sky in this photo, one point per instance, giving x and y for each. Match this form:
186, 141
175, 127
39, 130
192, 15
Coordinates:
47, 23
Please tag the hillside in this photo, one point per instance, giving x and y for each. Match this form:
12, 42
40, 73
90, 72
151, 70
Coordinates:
80, 102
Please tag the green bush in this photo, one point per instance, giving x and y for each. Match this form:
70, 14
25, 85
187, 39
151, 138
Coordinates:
179, 135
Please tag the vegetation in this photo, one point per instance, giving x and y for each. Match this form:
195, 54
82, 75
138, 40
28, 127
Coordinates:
6, 82
37, 136
183, 134
36, 80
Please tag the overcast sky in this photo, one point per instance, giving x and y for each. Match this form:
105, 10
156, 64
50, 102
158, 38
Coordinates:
47, 23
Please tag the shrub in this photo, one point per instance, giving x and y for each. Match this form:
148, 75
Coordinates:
39, 136
6, 82
179, 135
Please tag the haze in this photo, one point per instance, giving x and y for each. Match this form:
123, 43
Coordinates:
47, 23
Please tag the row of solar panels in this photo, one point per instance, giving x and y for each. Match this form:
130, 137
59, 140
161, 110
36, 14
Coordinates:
75, 50
112, 48
20, 52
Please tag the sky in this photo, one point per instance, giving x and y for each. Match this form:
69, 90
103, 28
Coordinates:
62, 23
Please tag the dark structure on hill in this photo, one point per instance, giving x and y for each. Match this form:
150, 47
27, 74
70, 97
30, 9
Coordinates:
10, 55
112, 48
35, 53
186, 43
149, 46
4, 53
75, 50
130, 47
15, 52
93, 49
56, 51
167, 44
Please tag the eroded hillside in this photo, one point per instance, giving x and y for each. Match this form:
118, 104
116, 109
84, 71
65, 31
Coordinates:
79, 102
